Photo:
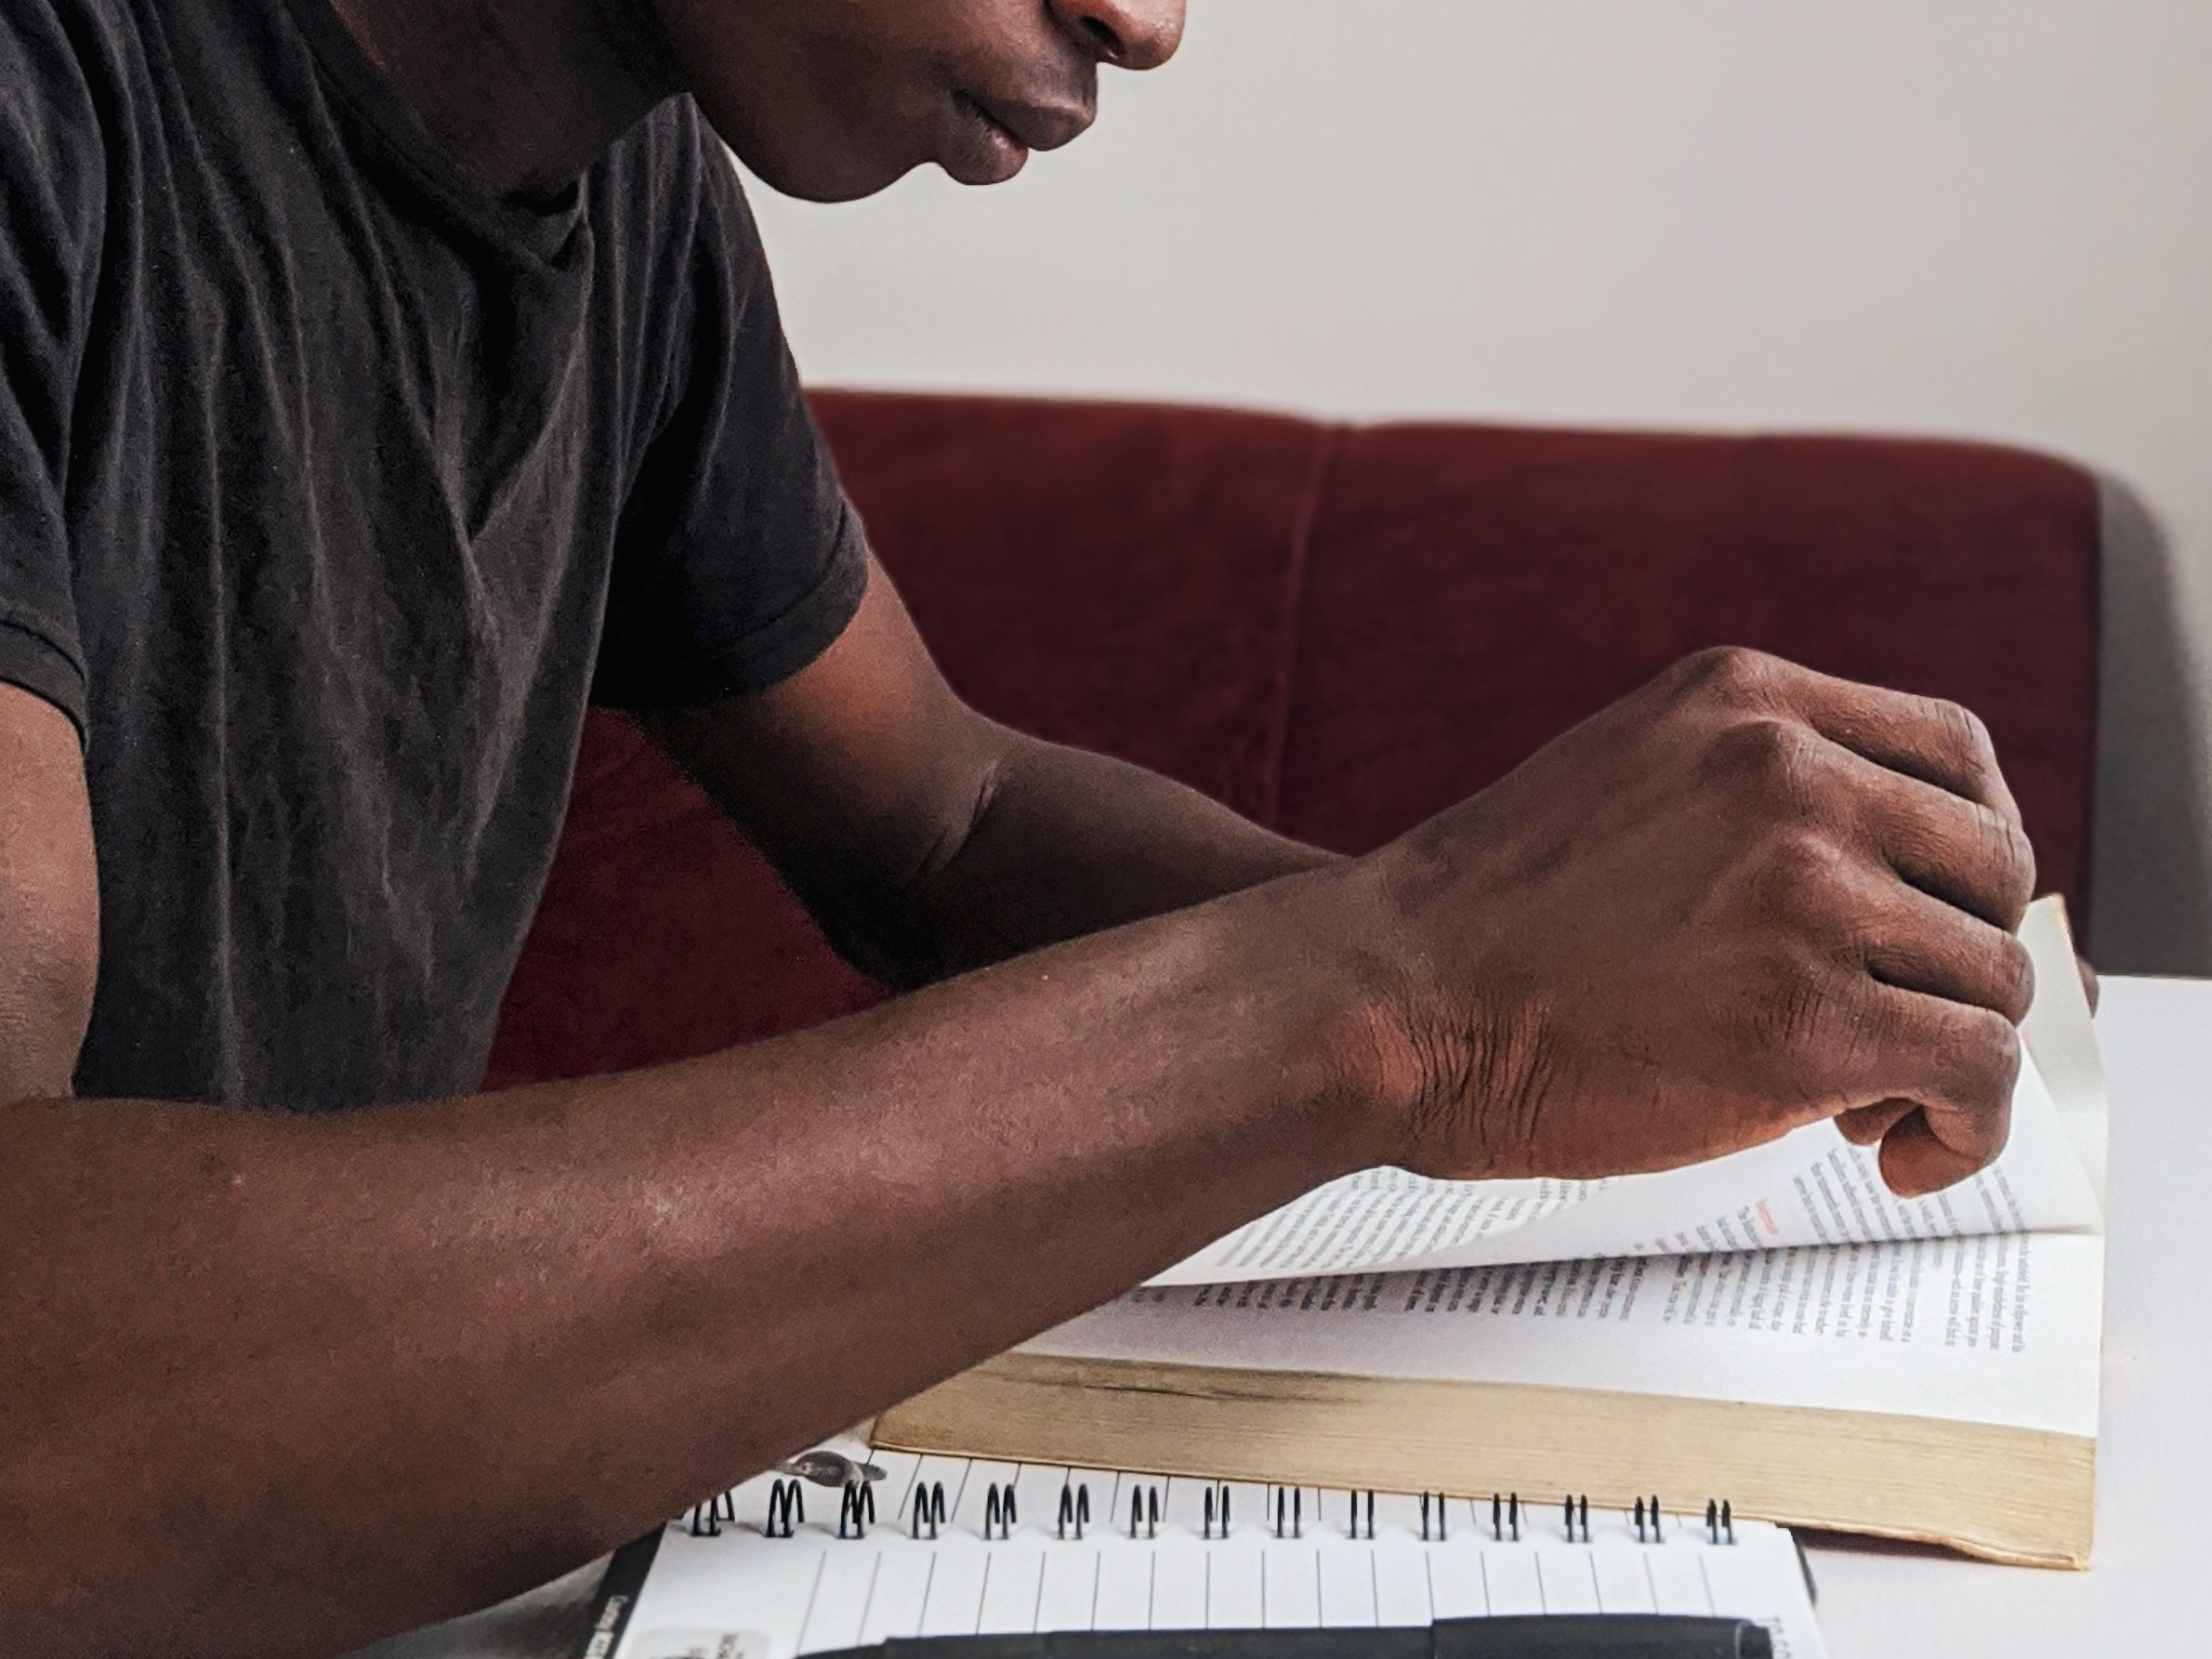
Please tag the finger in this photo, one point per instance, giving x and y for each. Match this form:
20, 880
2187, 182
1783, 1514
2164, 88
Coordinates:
1917, 942
1865, 1125
1915, 1162
1957, 1064
1964, 853
2090, 987
1927, 738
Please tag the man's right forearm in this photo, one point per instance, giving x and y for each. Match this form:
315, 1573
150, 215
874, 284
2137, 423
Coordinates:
275, 1384
271, 1385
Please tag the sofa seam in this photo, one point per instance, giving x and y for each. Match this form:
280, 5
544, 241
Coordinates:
1295, 577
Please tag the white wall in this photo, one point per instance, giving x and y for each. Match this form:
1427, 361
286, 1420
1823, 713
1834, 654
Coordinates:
1988, 218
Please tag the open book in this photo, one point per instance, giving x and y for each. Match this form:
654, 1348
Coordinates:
1774, 1326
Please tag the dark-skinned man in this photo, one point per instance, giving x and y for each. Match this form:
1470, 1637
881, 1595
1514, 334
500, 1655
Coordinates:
387, 379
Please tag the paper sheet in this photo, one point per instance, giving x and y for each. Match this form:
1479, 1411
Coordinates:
1994, 1328
1811, 1187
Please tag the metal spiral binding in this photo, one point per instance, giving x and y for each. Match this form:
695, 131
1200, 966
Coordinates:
1074, 1507
1352, 1529
1214, 1514
1570, 1507
998, 1511
929, 1509
787, 1508
1720, 1522
1144, 1511
1504, 1513
856, 1510
707, 1518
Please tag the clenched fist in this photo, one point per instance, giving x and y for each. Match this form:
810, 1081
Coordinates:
1745, 898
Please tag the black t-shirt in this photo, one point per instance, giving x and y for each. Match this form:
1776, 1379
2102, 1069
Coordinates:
330, 491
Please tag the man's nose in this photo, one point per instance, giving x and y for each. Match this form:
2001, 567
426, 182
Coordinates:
1126, 33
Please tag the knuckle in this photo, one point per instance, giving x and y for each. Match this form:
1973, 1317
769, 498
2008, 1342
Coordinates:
1794, 1005
1979, 857
1733, 674
1775, 754
2014, 980
2017, 865
1974, 734
1987, 1055
1967, 737
1806, 869
2004, 863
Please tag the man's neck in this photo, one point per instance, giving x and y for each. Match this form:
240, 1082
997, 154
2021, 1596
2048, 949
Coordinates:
523, 94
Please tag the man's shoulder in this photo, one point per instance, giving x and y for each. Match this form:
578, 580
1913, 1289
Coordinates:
51, 54
65, 50
64, 77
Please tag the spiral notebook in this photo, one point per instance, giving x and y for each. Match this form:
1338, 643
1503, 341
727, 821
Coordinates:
947, 1546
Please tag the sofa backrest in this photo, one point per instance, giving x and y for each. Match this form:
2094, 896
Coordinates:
1336, 630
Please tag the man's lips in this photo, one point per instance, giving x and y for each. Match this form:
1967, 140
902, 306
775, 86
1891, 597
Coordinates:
977, 148
1034, 127
990, 139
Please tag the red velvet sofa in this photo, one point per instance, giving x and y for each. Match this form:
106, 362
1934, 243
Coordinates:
1335, 629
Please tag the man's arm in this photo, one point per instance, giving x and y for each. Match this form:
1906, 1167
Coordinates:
49, 898
275, 1384
926, 839
272, 1384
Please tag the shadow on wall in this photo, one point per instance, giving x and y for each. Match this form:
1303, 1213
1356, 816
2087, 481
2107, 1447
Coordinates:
2152, 881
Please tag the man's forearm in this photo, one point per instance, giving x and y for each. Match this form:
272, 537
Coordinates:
275, 1384
1066, 842
926, 839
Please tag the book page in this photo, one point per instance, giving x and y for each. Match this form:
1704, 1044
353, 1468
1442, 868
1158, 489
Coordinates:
2062, 1037
1992, 1328
1811, 1187
737, 1593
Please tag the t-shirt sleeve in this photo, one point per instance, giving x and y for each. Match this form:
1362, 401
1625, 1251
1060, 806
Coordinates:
738, 559
50, 207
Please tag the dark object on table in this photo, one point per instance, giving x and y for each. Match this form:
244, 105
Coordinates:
1592, 1636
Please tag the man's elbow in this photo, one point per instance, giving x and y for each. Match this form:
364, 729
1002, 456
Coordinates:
46, 1007
49, 899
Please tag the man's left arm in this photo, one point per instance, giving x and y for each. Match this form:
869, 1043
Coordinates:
926, 839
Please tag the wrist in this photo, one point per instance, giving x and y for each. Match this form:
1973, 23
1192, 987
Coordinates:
1447, 1065
1345, 1001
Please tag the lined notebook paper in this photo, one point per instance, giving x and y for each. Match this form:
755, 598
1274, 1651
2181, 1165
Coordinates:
735, 1592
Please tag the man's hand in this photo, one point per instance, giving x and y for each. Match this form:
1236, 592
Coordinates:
1746, 898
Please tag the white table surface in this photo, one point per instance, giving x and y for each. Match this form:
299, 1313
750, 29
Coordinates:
2154, 1439
1888, 1601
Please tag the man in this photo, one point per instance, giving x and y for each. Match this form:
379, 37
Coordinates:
387, 378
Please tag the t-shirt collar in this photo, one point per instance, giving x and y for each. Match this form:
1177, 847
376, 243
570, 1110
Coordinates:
541, 226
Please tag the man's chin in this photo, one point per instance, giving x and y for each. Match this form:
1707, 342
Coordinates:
971, 151
815, 184
810, 178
